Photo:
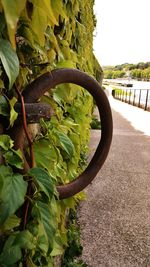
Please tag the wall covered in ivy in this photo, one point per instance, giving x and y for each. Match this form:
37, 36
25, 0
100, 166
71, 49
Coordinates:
35, 37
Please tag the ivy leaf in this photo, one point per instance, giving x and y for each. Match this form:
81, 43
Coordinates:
14, 158
45, 156
57, 249
13, 113
58, 9
6, 142
11, 222
66, 143
43, 179
46, 6
39, 24
42, 241
66, 64
1, 84
47, 221
12, 193
13, 245
9, 60
10, 256
24, 240
4, 106
30, 263
12, 10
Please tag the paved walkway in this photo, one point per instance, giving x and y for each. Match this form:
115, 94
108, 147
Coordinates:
115, 219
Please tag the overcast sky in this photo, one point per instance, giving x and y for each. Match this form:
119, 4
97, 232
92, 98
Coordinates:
122, 32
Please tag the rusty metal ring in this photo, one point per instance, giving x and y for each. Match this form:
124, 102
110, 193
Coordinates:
49, 80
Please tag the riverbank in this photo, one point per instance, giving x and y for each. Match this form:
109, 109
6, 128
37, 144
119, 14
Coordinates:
135, 83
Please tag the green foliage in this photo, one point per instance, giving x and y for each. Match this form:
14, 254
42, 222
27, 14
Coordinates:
43, 180
36, 37
139, 74
95, 123
74, 249
12, 249
13, 113
9, 60
12, 157
4, 106
12, 192
113, 74
136, 71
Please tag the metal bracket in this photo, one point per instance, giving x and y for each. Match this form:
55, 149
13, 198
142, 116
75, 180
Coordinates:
35, 111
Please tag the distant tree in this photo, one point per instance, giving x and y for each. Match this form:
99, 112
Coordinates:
113, 74
108, 74
141, 65
138, 71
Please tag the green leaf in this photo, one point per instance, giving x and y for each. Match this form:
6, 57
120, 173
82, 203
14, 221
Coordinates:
12, 193
13, 245
24, 240
42, 241
66, 64
10, 256
57, 249
12, 10
1, 84
12, 222
47, 221
6, 142
39, 24
4, 106
45, 155
13, 113
47, 8
14, 158
30, 263
44, 180
58, 9
42, 17
66, 143
41, 238
9, 60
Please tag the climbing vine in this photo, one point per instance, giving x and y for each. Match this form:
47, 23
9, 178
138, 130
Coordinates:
36, 37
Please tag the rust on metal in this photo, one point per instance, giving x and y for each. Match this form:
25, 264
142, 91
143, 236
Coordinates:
49, 80
35, 111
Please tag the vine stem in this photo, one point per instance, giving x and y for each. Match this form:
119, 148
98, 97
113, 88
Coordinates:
32, 159
30, 142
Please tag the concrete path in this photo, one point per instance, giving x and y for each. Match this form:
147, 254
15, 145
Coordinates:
115, 219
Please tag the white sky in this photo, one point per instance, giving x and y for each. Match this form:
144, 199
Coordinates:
122, 32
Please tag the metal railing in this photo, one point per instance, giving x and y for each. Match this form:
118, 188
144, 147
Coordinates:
136, 97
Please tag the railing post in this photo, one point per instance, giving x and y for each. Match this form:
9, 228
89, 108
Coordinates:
129, 96
146, 100
134, 97
139, 99
123, 96
126, 96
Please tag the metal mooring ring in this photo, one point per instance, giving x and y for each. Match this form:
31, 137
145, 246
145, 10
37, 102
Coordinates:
49, 80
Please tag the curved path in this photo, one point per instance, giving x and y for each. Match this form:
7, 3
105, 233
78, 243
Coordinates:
115, 218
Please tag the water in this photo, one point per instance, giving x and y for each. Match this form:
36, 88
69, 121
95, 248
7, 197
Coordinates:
136, 84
